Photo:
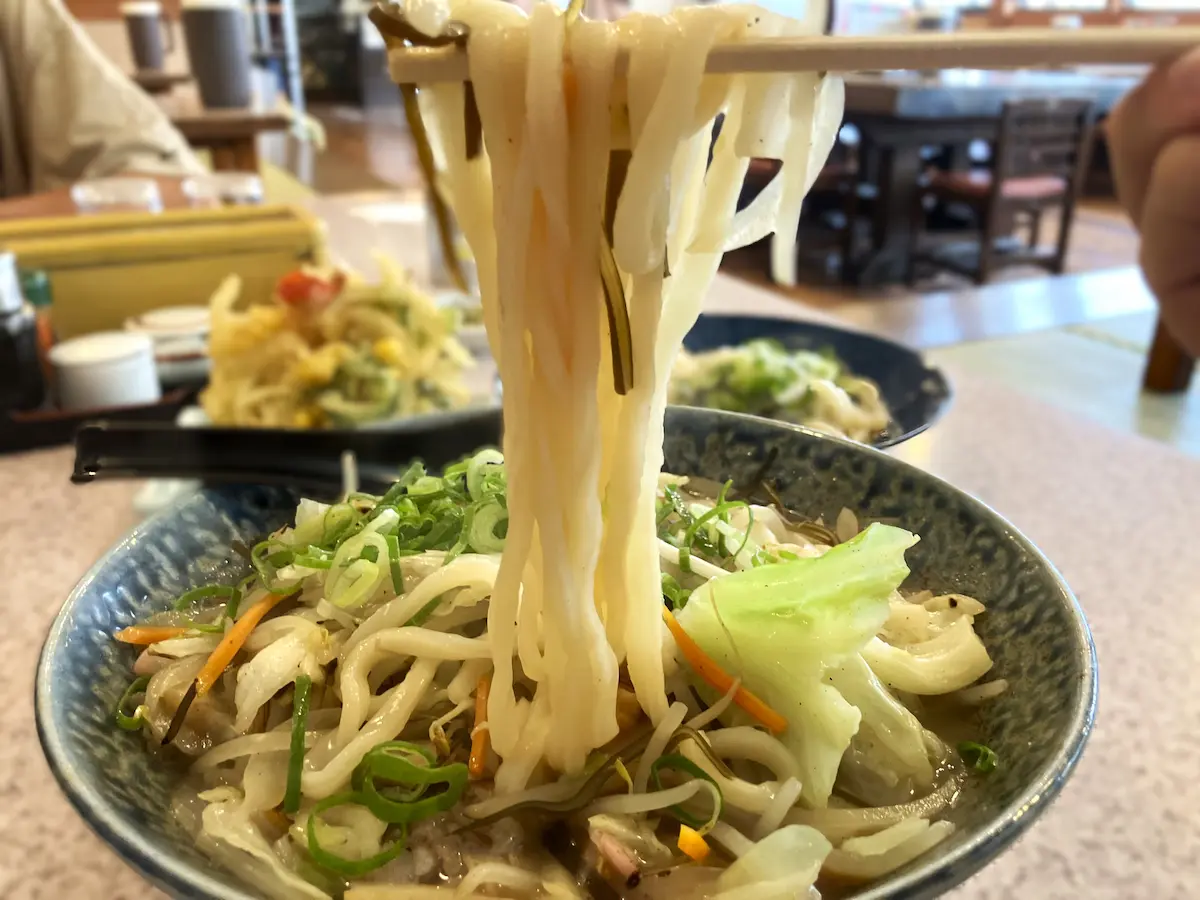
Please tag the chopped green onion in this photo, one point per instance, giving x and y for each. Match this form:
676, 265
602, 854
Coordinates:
135, 721
427, 486
981, 758
464, 534
291, 798
477, 471
680, 763
487, 520
217, 627
322, 529
348, 868
313, 559
721, 510
397, 490
662, 512
425, 611
228, 614
189, 598
393, 545
676, 594
258, 559
355, 584
418, 755
391, 764
231, 608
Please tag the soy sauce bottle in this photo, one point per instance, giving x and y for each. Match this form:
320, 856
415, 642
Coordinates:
22, 386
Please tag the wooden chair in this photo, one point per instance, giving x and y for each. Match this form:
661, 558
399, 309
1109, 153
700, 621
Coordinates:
1040, 162
836, 186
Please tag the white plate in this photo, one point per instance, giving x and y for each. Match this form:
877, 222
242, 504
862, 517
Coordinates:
170, 322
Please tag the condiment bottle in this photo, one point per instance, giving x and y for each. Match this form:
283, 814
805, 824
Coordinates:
35, 286
22, 385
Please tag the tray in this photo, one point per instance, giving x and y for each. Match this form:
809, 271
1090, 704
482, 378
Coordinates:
52, 427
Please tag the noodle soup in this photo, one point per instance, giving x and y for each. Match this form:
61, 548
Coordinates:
551, 671
345, 740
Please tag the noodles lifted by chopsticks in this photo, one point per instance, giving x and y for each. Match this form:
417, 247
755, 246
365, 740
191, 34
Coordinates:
579, 588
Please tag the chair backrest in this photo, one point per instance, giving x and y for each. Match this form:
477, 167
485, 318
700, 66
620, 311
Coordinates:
1044, 137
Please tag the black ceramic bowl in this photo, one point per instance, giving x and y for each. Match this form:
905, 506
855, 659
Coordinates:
916, 393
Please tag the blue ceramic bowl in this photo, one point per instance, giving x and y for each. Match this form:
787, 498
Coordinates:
916, 393
1033, 628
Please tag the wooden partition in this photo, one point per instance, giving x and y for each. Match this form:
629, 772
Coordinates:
1007, 14
93, 10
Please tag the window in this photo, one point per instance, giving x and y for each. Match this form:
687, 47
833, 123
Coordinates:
952, 4
1165, 5
1056, 5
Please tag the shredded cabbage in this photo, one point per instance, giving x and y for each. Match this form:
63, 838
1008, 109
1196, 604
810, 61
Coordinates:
782, 627
950, 661
227, 819
275, 667
782, 866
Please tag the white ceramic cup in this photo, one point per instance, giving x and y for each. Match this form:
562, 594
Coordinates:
109, 368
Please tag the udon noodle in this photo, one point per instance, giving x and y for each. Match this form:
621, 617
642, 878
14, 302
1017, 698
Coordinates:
554, 672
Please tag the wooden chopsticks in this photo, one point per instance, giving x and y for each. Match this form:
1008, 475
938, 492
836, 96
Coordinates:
1010, 48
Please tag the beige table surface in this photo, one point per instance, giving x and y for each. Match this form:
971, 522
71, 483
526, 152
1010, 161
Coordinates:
1118, 514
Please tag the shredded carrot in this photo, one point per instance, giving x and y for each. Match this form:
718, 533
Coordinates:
479, 734
149, 634
232, 642
691, 843
710, 670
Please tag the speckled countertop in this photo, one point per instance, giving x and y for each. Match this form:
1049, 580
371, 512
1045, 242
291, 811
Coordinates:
1118, 514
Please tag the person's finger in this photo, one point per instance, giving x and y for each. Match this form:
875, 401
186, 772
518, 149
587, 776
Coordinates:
1170, 252
1163, 107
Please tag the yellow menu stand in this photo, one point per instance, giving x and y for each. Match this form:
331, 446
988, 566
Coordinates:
105, 268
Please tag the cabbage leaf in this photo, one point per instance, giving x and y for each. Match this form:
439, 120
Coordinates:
781, 627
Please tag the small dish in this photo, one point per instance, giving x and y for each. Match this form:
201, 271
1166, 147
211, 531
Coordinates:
182, 361
180, 335
108, 368
172, 322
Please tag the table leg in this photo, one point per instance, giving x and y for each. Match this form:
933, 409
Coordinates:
221, 157
1169, 368
239, 155
900, 166
245, 155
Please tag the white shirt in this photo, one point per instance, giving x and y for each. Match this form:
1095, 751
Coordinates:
67, 112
